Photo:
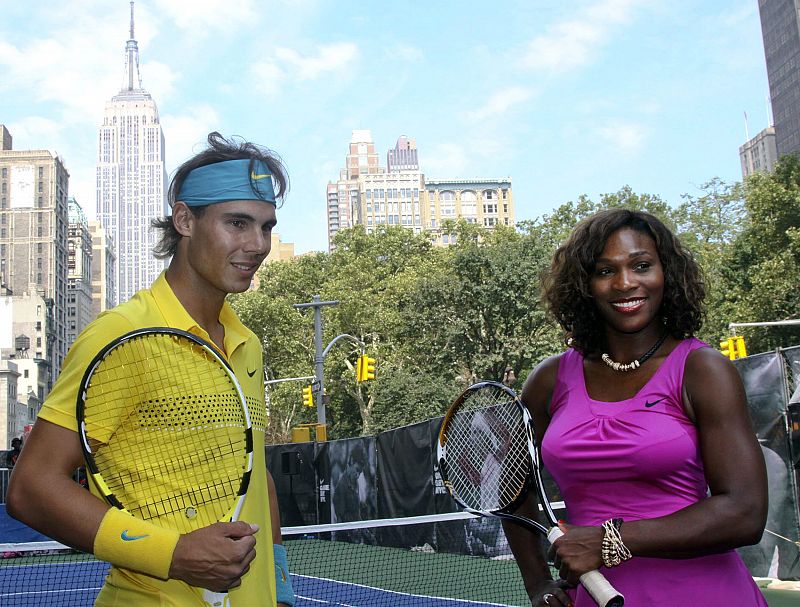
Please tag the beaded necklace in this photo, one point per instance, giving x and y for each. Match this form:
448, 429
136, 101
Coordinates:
636, 363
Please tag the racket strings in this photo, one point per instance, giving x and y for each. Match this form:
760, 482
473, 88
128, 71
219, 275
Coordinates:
167, 430
488, 461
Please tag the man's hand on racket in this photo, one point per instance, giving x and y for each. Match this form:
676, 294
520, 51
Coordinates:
577, 551
215, 557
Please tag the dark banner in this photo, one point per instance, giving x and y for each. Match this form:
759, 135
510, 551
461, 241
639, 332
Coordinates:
294, 472
352, 479
405, 461
765, 381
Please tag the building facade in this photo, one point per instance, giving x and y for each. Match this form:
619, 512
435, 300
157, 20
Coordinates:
403, 157
33, 242
390, 199
343, 194
485, 202
131, 178
104, 263
759, 154
370, 195
79, 267
780, 29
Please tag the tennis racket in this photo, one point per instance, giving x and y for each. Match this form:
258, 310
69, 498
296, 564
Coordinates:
488, 459
165, 431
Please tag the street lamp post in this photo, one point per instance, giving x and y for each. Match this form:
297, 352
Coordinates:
319, 357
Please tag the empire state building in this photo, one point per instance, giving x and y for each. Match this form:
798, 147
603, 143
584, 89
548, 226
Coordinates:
131, 177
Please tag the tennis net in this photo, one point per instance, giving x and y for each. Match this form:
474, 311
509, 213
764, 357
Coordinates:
443, 560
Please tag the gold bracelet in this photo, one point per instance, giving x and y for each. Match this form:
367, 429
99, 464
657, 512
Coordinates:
613, 549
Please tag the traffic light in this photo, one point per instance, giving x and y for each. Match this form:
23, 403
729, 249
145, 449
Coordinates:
365, 368
728, 348
741, 351
368, 368
733, 347
308, 397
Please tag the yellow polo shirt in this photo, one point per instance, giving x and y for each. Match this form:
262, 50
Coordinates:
159, 307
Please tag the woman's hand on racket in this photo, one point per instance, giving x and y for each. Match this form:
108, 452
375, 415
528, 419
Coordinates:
550, 593
577, 551
215, 557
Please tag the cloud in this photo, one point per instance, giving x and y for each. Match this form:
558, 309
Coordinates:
185, 134
501, 102
572, 43
444, 161
201, 16
68, 69
405, 52
623, 137
329, 58
289, 65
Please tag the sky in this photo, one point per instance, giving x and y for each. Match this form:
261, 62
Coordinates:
566, 98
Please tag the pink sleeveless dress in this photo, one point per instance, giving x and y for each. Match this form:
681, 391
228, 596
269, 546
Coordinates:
639, 458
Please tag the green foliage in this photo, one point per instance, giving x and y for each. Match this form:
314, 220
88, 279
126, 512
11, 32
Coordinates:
437, 319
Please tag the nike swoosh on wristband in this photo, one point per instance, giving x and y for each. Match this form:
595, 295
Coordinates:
655, 402
131, 538
255, 177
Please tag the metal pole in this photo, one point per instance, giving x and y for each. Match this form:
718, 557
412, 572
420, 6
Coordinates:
318, 387
319, 391
774, 323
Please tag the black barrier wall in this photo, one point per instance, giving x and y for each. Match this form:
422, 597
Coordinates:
395, 475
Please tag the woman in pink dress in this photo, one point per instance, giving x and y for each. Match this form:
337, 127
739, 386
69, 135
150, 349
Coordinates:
644, 428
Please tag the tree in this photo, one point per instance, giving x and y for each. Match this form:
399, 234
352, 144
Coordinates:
766, 256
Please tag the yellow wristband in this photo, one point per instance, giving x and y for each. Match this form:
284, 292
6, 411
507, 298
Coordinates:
127, 542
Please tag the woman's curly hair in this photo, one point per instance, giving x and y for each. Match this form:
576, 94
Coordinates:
566, 285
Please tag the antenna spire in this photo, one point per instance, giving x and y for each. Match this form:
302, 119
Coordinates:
132, 60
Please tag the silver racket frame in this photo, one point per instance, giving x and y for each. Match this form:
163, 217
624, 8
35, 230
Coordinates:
595, 582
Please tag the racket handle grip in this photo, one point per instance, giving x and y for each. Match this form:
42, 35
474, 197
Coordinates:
595, 582
215, 599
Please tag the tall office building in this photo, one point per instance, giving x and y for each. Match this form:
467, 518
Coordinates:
104, 263
131, 177
79, 266
780, 28
759, 154
403, 157
343, 194
33, 250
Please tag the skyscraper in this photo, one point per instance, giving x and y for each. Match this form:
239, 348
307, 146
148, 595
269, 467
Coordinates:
780, 28
343, 195
79, 265
403, 157
33, 251
131, 177
759, 154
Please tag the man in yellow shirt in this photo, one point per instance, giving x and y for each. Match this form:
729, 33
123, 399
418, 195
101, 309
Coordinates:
223, 210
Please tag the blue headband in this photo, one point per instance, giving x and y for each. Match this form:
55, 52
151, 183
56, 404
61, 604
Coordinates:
226, 181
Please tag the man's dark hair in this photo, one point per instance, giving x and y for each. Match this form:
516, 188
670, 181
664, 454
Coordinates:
566, 284
219, 150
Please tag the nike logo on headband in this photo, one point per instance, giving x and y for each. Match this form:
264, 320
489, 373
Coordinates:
255, 177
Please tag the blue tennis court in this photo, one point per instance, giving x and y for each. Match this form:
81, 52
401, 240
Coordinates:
76, 584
